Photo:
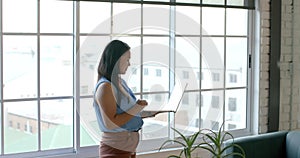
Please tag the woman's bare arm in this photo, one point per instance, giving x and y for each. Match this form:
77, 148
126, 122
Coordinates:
147, 114
108, 107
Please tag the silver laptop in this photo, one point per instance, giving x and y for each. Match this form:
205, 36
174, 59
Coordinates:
173, 103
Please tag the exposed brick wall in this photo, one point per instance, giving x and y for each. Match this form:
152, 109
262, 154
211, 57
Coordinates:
296, 58
285, 65
290, 66
264, 8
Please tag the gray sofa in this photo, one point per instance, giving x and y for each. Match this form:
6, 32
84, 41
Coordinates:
281, 144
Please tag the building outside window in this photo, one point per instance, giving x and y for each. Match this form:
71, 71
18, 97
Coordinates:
30, 129
232, 104
185, 74
134, 89
199, 100
18, 125
146, 71
158, 72
185, 99
215, 101
84, 90
158, 97
11, 124
232, 78
215, 125
134, 71
215, 76
231, 126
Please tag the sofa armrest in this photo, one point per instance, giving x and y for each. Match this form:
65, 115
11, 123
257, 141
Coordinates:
293, 144
267, 145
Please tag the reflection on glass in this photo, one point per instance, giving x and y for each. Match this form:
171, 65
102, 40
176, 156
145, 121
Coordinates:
187, 116
90, 133
187, 60
236, 2
235, 109
212, 109
56, 124
58, 20
99, 12
153, 80
156, 127
56, 66
213, 21
156, 101
212, 62
220, 2
236, 21
121, 12
20, 67
91, 49
20, 127
155, 57
133, 74
19, 15
187, 15
156, 25
236, 64
188, 1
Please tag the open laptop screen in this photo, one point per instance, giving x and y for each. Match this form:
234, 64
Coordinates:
173, 103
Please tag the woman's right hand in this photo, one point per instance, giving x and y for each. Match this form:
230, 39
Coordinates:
142, 102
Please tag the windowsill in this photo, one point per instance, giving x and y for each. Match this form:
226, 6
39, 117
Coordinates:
92, 151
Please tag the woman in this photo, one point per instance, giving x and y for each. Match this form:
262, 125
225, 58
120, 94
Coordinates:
118, 112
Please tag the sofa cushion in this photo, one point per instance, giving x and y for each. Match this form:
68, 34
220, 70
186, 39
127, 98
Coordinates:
293, 144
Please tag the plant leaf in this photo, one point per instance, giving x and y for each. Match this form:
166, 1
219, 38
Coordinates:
194, 136
181, 135
224, 136
173, 156
242, 153
167, 141
171, 141
212, 139
209, 149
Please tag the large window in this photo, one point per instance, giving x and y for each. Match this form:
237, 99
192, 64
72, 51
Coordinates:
49, 55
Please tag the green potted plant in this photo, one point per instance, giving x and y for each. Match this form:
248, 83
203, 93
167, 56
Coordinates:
187, 142
212, 141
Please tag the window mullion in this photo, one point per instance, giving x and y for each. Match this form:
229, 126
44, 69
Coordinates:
248, 4
200, 69
253, 86
142, 53
224, 69
38, 76
172, 65
76, 77
1, 84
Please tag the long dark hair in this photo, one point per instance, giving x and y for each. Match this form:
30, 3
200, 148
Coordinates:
109, 63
